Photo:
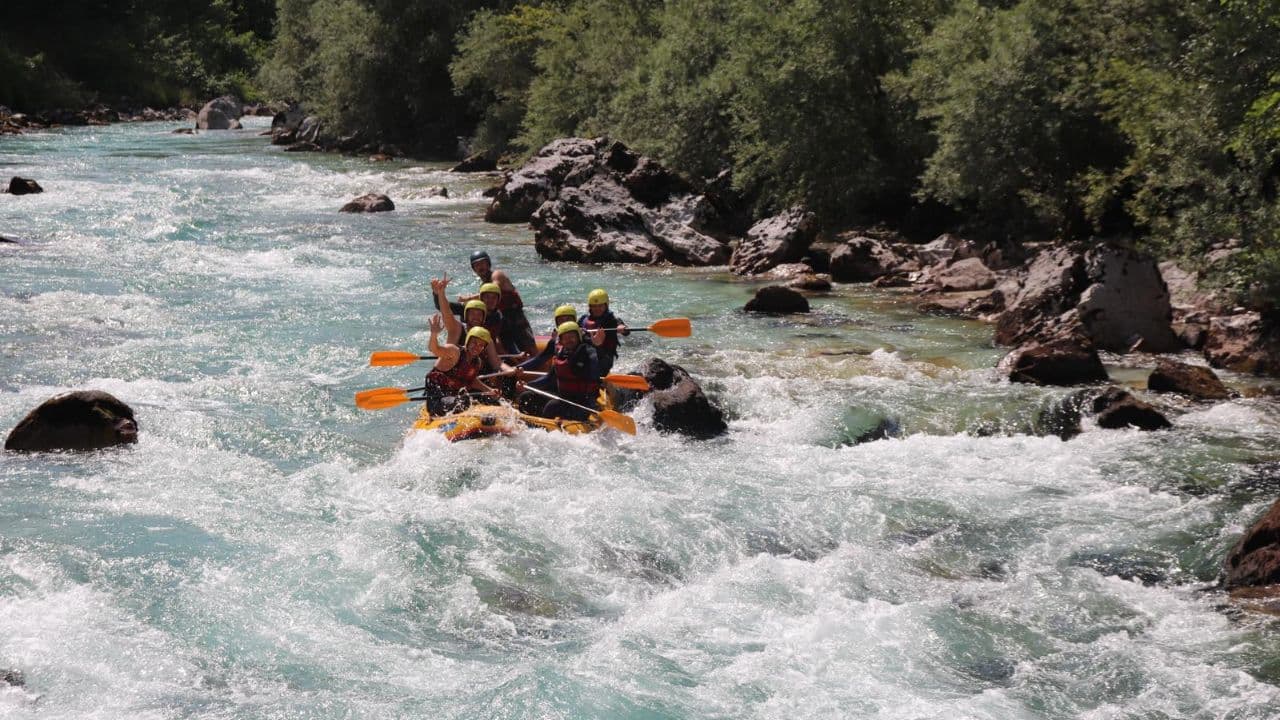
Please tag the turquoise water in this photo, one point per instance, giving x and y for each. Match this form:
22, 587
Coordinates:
269, 551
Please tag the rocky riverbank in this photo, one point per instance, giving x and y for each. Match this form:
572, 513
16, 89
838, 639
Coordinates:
1055, 306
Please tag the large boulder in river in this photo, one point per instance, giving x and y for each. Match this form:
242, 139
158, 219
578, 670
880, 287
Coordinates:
1116, 408
1190, 380
1255, 560
478, 162
778, 300
370, 203
24, 186
679, 405
567, 162
79, 420
220, 114
1111, 295
1063, 361
1244, 343
783, 238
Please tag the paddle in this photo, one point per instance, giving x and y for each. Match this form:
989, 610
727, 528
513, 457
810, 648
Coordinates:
387, 397
389, 358
667, 327
612, 418
630, 382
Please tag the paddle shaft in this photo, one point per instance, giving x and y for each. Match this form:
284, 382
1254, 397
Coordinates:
553, 396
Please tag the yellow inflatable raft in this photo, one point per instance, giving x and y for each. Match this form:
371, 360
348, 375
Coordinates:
480, 421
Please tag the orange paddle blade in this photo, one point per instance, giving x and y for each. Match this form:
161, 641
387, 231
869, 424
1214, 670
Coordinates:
382, 401
630, 382
617, 420
381, 391
388, 358
672, 327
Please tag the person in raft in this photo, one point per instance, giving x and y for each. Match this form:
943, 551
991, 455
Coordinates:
475, 313
574, 376
516, 334
562, 315
457, 370
604, 328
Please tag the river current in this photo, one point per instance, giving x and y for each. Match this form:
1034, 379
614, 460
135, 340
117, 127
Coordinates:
268, 550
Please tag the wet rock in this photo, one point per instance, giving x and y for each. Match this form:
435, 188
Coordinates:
1126, 565
783, 238
1061, 417
12, 678
79, 420
289, 119
1255, 559
811, 282
777, 299
771, 542
645, 564
439, 191
679, 404
11, 241
1244, 343
864, 259
478, 162
372, 202
507, 599
1058, 362
184, 131
1116, 408
220, 114
303, 147
1190, 380
24, 186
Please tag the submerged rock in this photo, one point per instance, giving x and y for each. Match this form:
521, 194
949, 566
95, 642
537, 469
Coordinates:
777, 299
79, 420
1190, 380
1116, 408
372, 202
13, 678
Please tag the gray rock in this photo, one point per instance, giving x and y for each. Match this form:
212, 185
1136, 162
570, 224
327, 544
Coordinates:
370, 203
1116, 408
860, 258
963, 275
479, 162
79, 420
783, 238
220, 114
1244, 343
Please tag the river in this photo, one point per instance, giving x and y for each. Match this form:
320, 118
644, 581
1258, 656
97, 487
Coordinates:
268, 550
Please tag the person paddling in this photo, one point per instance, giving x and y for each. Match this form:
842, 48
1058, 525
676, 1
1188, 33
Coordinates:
574, 376
516, 333
457, 369
604, 328
563, 314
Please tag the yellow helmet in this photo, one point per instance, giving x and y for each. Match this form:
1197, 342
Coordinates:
598, 297
479, 332
490, 288
474, 305
569, 327
565, 310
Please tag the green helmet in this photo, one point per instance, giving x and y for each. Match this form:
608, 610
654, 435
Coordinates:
564, 310
479, 332
490, 288
475, 305
598, 297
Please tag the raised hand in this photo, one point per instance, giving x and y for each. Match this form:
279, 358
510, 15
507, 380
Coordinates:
436, 323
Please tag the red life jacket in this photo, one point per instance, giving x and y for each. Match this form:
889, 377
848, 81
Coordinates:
570, 383
510, 301
610, 344
458, 377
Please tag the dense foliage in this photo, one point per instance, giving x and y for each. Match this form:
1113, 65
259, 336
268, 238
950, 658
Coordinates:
160, 52
1157, 120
